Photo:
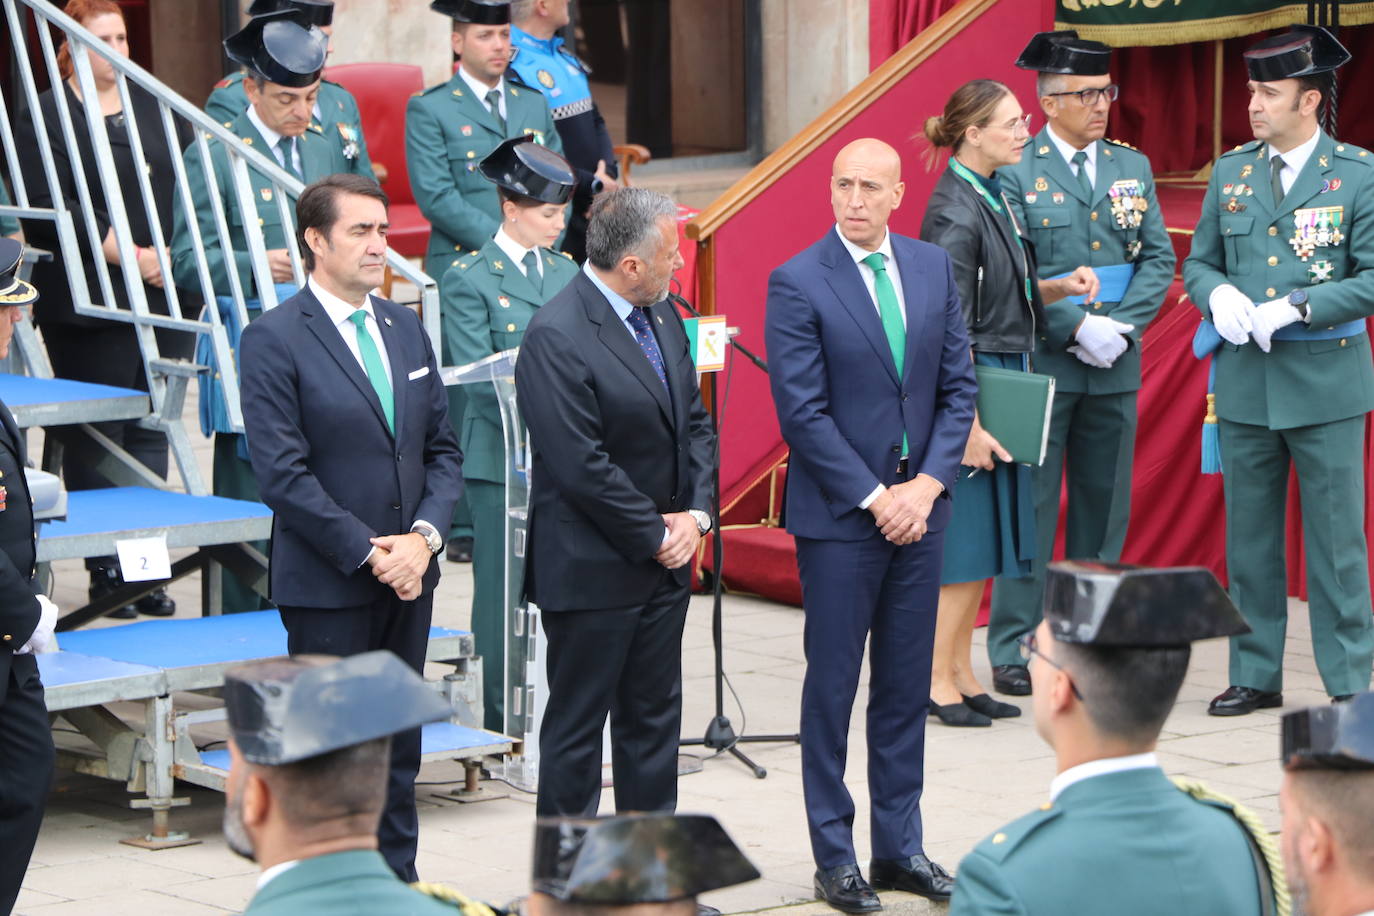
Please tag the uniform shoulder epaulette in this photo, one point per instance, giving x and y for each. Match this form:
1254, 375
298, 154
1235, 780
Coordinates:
1243, 148
1001, 844
1358, 153
229, 80
466, 905
1121, 143
430, 89
514, 77
1261, 841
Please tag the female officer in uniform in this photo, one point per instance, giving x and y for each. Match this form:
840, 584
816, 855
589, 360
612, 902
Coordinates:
488, 297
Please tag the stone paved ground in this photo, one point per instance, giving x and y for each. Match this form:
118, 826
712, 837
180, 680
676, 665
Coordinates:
976, 779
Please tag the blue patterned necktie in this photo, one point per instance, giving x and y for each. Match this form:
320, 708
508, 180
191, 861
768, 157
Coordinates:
644, 333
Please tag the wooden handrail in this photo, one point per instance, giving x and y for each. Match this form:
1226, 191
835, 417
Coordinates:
871, 88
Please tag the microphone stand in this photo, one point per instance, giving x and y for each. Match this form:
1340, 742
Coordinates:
720, 734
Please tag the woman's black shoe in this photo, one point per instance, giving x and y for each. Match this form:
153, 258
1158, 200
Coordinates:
993, 709
959, 715
157, 604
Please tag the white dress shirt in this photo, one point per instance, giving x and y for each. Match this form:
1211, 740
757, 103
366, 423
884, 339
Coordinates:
480, 89
1101, 768
1294, 160
269, 873
516, 252
1067, 150
272, 138
340, 313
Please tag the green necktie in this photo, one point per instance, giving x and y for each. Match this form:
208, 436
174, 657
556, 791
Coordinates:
1080, 159
286, 146
531, 262
376, 373
1275, 179
891, 314
494, 100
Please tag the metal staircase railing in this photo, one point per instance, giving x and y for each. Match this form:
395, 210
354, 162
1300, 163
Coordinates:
167, 378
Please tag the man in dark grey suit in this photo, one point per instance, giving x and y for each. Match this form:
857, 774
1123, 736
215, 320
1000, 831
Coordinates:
348, 432
620, 484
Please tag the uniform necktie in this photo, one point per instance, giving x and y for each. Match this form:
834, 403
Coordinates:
376, 373
531, 262
494, 102
1275, 178
891, 314
1080, 159
644, 333
286, 147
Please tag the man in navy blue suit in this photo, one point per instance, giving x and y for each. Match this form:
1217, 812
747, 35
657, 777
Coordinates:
348, 431
874, 389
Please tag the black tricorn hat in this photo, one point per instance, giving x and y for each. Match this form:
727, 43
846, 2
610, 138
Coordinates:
1304, 50
1115, 604
288, 709
13, 291
1065, 52
481, 12
1335, 737
282, 46
635, 858
316, 12
531, 169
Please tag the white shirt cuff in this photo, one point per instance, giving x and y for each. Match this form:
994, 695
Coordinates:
868, 500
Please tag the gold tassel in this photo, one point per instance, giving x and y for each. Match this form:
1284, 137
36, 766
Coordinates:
1283, 906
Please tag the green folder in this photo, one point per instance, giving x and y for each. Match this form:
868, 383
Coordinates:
1015, 408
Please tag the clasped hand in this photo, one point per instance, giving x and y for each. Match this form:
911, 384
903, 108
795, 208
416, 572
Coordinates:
901, 510
1101, 340
400, 561
681, 543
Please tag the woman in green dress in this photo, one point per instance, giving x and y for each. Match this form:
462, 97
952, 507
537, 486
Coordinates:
488, 297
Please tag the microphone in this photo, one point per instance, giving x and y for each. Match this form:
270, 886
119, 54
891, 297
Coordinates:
680, 302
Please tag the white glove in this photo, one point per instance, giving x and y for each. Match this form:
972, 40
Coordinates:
1268, 317
43, 633
1102, 337
1086, 357
1231, 313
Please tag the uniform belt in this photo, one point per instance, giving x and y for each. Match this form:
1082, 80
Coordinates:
1115, 278
1300, 331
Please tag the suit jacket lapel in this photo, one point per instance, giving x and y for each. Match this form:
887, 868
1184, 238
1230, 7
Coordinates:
395, 355
1107, 173
472, 108
848, 286
513, 280
918, 302
1258, 180
1311, 180
617, 338
317, 320
1055, 166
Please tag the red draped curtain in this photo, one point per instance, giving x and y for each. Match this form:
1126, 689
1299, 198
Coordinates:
892, 23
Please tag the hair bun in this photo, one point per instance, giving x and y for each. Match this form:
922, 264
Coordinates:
935, 131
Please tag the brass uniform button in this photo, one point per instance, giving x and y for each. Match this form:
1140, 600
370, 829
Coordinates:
1096, 245
1046, 806
1097, 305
1045, 221
1093, 216
999, 838
1273, 260
1273, 230
510, 327
1342, 341
1270, 292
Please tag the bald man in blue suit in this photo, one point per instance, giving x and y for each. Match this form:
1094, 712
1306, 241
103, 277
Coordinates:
874, 388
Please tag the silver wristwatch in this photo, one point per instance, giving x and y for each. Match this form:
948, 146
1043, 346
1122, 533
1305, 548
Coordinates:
433, 539
703, 520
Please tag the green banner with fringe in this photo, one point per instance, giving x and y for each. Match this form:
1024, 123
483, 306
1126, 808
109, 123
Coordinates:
1133, 23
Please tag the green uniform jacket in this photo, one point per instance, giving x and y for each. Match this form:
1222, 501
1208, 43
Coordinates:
1244, 240
344, 884
1121, 843
336, 118
448, 132
318, 159
486, 304
1068, 232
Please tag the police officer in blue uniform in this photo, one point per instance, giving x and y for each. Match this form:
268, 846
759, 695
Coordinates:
542, 60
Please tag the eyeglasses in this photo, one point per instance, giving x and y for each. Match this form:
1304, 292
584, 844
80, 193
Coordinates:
1017, 125
1030, 646
1088, 97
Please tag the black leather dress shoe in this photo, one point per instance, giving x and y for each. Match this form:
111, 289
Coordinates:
993, 709
958, 715
915, 875
105, 578
844, 888
1013, 680
1241, 701
459, 550
158, 604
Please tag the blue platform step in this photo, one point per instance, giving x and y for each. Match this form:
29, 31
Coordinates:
62, 402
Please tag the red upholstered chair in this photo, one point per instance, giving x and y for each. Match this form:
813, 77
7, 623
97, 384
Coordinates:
382, 91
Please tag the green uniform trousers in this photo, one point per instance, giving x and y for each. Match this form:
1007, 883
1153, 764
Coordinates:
487, 501
1329, 459
1092, 438
233, 479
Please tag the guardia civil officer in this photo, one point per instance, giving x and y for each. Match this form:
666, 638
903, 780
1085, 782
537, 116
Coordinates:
487, 298
284, 55
656, 864
452, 127
1086, 202
1327, 800
1117, 836
335, 115
309, 740
543, 60
1280, 266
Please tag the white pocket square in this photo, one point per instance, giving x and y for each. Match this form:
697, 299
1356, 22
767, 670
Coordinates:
418, 373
